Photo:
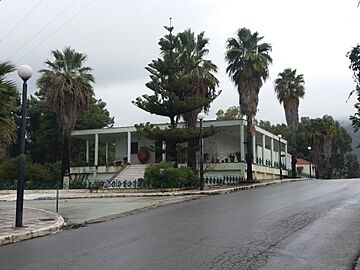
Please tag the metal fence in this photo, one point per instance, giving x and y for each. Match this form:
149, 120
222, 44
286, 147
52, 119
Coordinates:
225, 180
28, 185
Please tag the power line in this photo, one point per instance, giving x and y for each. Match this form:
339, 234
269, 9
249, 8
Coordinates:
56, 30
42, 29
20, 21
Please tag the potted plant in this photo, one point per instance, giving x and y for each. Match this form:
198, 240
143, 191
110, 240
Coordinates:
232, 157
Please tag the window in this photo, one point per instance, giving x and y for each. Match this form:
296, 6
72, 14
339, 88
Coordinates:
134, 147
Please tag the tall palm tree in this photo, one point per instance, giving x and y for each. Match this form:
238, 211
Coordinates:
199, 73
8, 104
68, 87
248, 67
320, 134
329, 131
289, 88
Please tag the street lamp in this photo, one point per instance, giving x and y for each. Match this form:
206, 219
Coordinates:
309, 148
280, 136
201, 117
24, 72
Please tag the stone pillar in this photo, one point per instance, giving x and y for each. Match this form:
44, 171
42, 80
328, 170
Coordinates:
87, 152
285, 161
107, 153
163, 155
129, 147
272, 151
263, 149
242, 142
96, 150
254, 147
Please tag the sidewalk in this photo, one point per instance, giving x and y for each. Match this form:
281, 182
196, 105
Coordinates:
36, 223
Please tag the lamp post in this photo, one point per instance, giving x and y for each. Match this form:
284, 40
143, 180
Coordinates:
309, 148
201, 117
280, 136
24, 72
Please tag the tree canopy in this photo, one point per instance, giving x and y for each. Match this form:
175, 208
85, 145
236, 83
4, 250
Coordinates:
182, 82
248, 67
68, 89
9, 98
354, 57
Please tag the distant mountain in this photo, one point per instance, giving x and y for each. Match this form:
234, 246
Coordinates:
355, 137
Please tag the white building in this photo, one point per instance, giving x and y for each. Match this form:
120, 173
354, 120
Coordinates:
305, 167
224, 152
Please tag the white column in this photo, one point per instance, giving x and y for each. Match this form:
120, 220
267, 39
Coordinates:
87, 152
163, 155
107, 153
263, 149
129, 147
96, 150
285, 154
242, 142
254, 146
272, 151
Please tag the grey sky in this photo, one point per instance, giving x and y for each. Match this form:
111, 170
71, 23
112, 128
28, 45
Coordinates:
120, 39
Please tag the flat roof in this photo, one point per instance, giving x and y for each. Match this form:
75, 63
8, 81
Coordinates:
206, 123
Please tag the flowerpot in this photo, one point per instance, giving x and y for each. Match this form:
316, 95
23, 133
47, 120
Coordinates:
143, 155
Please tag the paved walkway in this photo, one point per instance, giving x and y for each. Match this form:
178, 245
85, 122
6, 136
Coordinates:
36, 223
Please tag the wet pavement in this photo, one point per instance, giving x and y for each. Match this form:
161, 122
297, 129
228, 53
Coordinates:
300, 225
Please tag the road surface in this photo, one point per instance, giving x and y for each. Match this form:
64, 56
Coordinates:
301, 225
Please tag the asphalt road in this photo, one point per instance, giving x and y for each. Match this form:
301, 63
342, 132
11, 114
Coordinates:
303, 225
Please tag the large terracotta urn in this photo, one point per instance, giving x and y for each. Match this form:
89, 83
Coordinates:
143, 155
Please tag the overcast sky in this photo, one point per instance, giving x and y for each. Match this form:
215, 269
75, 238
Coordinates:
120, 39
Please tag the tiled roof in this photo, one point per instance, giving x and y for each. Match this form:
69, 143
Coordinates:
301, 161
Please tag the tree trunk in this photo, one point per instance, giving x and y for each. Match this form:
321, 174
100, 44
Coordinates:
293, 166
249, 148
293, 152
171, 153
191, 154
65, 159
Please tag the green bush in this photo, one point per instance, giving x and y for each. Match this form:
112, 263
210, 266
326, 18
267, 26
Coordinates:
77, 184
36, 174
172, 177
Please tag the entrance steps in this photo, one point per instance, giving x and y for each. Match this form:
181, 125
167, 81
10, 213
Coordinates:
132, 172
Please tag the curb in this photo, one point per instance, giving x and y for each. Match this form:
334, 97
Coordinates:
29, 234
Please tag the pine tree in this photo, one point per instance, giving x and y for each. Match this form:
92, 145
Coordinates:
172, 97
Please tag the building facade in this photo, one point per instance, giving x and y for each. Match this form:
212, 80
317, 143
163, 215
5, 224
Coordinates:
224, 152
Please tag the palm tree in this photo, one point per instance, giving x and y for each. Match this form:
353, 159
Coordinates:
200, 76
329, 131
289, 88
8, 104
320, 134
248, 67
68, 90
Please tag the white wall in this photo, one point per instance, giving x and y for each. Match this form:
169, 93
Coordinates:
221, 145
121, 148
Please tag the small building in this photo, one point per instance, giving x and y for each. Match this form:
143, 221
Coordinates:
305, 168
224, 152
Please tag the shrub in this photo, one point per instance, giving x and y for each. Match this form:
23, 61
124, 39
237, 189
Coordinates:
172, 177
36, 174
